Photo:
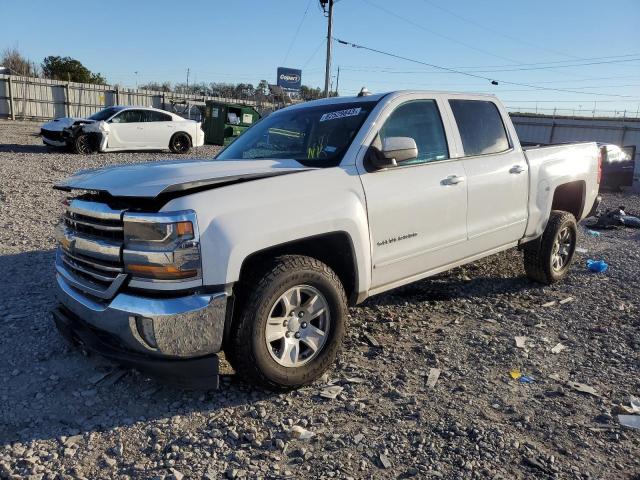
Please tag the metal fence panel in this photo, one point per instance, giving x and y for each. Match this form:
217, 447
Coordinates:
45, 99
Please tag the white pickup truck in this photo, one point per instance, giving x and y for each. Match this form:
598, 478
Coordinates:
260, 251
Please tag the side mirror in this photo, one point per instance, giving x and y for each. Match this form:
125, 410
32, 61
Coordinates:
390, 151
399, 149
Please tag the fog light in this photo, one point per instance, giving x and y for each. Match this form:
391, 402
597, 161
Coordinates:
145, 330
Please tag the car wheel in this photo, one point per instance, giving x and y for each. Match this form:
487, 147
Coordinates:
180, 143
290, 325
83, 144
547, 260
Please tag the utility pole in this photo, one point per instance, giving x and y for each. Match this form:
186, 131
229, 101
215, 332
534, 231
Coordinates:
327, 73
187, 79
338, 82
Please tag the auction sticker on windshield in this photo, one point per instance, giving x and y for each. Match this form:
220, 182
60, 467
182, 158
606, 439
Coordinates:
349, 112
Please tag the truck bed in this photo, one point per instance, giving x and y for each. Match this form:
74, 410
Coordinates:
554, 165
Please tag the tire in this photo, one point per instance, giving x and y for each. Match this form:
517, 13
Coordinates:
261, 300
541, 257
83, 144
180, 143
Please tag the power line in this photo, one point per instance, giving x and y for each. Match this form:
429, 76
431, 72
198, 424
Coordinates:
472, 69
295, 36
497, 32
494, 81
480, 67
433, 32
315, 52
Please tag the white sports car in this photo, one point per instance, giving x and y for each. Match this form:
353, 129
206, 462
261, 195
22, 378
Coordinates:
124, 128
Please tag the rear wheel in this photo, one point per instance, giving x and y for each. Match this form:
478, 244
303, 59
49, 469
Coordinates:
547, 260
290, 325
180, 143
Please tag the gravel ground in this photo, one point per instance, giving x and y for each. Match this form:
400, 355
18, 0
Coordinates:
65, 415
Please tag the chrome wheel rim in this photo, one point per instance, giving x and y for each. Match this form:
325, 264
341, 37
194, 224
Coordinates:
562, 249
298, 326
83, 144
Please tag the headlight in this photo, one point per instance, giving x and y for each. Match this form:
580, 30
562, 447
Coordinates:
162, 246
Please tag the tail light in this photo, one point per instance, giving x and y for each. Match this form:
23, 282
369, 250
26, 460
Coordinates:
599, 165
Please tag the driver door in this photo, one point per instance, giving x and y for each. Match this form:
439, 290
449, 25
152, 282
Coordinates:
417, 210
126, 130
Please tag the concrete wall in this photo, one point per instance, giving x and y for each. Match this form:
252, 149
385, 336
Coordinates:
546, 130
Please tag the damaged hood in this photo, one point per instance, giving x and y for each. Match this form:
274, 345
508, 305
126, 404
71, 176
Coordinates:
60, 124
148, 180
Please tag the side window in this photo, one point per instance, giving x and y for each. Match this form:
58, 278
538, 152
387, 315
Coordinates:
129, 116
153, 116
480, 126
420, 120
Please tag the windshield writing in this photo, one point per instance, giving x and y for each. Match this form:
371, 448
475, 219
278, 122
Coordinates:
316, 136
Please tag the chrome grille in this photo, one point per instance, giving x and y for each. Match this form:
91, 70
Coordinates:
90, 252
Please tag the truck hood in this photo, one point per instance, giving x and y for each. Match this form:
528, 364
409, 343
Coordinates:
150, 179
60, 124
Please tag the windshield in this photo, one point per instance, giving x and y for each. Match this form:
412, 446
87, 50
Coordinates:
314, 136
104, 114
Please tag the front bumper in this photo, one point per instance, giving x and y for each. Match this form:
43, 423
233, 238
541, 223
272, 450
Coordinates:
54, 143
186, 332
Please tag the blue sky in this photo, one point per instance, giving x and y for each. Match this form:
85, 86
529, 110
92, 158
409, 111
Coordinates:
245, 41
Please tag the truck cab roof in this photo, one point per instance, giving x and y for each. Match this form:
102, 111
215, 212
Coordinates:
375, 97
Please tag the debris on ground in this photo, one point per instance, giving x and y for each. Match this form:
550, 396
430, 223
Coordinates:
372, 340
597, 266
384, 461
549, 304
632, 421
434, 374
521, 341
581, 250
354, 380
558, 348
301, 433
583, 388
593, 233
517, 375
331, 391
615, 218
566, 300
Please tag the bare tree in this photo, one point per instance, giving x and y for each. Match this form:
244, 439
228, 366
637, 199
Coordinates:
17, 63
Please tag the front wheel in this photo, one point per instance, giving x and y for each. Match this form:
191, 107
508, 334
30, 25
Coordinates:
83, 144
547, 260
290, 325
180, 143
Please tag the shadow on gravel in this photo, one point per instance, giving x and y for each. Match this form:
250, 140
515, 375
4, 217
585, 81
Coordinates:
16, 148
49, 389
445, 289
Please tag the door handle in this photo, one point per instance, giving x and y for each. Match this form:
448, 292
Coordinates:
453, 180
517, 169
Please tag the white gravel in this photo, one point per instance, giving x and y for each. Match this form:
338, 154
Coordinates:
64, 415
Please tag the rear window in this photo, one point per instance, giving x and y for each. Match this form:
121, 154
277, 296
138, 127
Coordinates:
153, 116
480, 126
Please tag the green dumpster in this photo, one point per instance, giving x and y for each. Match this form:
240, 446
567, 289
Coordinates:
223, 122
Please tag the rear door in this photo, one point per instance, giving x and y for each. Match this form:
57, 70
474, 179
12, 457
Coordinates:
158, 129
417, 213
497, 175
126, 129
